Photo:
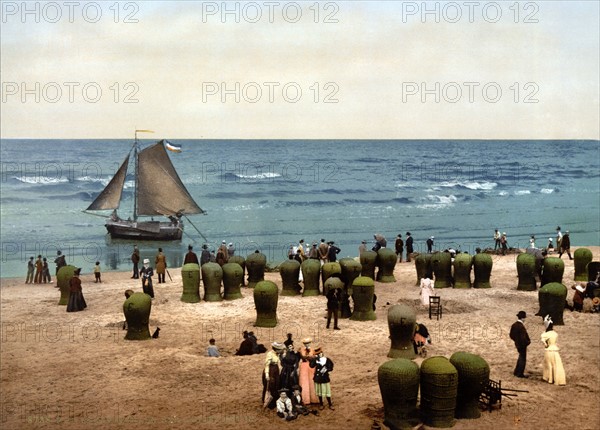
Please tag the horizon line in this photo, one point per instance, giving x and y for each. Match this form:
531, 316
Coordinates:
316, 139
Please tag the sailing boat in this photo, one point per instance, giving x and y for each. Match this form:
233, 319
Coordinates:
158, 191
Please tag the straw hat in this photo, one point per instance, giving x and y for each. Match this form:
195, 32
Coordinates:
318, 350
146, 261
596, 301
307, 340
277, 346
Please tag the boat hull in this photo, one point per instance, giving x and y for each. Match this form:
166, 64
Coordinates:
144, 230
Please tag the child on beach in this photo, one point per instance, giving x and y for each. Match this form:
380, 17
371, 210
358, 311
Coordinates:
97, 272
212, 350
284, 406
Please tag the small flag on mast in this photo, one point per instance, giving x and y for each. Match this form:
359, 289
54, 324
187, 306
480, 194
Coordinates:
172, 147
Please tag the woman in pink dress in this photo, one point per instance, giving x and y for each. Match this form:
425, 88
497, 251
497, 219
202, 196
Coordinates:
307, 373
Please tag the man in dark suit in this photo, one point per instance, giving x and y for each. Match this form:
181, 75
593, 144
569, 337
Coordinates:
191, 256
409, 246
332, 252
430, 245
205, 256
518, 333
135, 259
399, 247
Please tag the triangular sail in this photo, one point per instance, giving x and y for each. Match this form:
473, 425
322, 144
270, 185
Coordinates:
160, 191
110, 197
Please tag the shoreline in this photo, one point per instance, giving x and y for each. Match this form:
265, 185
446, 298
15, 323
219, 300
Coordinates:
271, 265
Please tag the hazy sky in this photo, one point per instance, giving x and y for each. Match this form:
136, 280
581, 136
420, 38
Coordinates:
350, 70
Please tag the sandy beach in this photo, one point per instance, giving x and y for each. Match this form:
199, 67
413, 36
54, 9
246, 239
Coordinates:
76, 371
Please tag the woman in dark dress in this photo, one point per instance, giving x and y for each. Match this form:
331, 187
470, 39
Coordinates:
289, 366
76, 300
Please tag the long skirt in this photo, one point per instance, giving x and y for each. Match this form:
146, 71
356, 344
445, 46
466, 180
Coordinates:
147, 287
553, 370
288, 377
271, 387
306, 381
76, 302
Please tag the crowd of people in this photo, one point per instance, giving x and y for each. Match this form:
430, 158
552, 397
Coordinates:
38, 271
294, 380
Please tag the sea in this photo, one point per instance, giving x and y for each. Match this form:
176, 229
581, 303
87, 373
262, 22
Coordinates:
269, 194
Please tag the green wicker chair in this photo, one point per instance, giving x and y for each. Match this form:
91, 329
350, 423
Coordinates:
402, 321
190, 275
399, 386
137, 314
473, 375
233, 277
266, 296
439, 387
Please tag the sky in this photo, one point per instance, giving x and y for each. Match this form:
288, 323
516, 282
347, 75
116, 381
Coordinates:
301, 70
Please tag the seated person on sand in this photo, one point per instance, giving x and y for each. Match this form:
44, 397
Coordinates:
212, 350
297, 403
578, 297
250, 345
284, 406
421, 339
591, 286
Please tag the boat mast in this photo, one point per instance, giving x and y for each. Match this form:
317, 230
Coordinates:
135, 156
135, 187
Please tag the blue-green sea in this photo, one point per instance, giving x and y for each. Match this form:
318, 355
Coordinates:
268, 194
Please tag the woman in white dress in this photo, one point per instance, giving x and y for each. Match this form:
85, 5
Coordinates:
426, 291
553, 370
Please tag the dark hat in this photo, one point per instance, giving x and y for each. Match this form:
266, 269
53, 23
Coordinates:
205, 246
363, 241
58, 252
408, 233
296, 387
399, 235
522, 314
331, 242
190, 247
31, 258
558, 228
301, 240
289, 340
77, 271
